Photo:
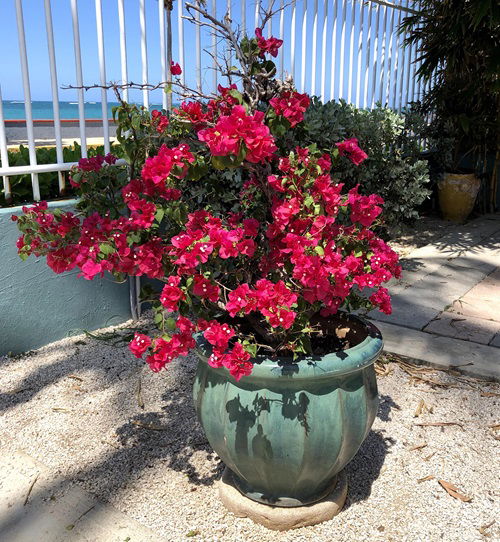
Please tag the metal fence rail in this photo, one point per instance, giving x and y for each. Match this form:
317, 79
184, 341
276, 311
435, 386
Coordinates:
347, 49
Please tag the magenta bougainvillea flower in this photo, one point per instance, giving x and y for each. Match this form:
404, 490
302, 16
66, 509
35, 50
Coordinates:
175, 69
270, 45
350, 148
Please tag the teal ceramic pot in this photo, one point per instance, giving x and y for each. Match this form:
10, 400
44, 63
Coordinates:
286, 430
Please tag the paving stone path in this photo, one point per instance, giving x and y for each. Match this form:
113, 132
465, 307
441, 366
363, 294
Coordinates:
446, 306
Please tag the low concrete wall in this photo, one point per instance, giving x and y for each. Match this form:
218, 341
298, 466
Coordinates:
37, 306
44, 134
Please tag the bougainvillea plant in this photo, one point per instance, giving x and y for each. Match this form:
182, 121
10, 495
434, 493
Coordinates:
255, 277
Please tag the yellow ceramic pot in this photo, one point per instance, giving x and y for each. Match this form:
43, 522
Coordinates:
457, 195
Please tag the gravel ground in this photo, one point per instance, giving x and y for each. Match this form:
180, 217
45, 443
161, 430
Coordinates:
96, 415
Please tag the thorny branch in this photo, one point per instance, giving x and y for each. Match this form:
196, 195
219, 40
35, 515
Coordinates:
185, 91
222, 28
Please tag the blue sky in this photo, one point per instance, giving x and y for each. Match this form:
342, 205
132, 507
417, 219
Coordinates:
10, 72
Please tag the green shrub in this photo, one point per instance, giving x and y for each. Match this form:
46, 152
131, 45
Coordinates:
393, 168
20, 185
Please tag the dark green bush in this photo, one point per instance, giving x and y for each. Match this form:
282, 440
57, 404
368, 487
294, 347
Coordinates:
393, 168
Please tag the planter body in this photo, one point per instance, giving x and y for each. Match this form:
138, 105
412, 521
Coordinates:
286, 430
457, 195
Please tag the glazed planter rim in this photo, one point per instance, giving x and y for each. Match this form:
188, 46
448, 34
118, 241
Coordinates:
339, 363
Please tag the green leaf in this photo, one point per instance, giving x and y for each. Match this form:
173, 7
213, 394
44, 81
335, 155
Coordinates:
235, 93
170, 324
230, 161
133, 238
160, 213
319, 250
269, 66
106, 248
218, 163
158, 318
251, 348
308, 201
136, 122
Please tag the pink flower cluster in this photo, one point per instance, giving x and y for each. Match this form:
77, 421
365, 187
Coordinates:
231, 131
159, 121
92, 164
194, 113
95, 163
164, 350
205, 236
68, 243
273, 300
364, 209
225, 101
175, 69
351, 149
270, 45
313, 243
139, 188
205, 115
169, 161
172, 294
291, 105
235, 359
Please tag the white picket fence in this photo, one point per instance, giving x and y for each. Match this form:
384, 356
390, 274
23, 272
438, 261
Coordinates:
347, 49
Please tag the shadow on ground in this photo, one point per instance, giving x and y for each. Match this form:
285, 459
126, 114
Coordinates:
366, 465
365, 468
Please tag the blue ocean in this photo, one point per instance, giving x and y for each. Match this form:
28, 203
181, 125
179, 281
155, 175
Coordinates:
14, 109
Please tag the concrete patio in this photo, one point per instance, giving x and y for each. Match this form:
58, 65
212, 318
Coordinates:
446, 306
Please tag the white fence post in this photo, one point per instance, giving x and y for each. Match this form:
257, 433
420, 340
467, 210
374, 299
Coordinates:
102, 74
3, 152
79, 76
144, 52
123, 48
27, 97
55, 90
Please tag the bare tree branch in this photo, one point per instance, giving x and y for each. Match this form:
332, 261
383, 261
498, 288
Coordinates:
185, 91
257, 84
268, 14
